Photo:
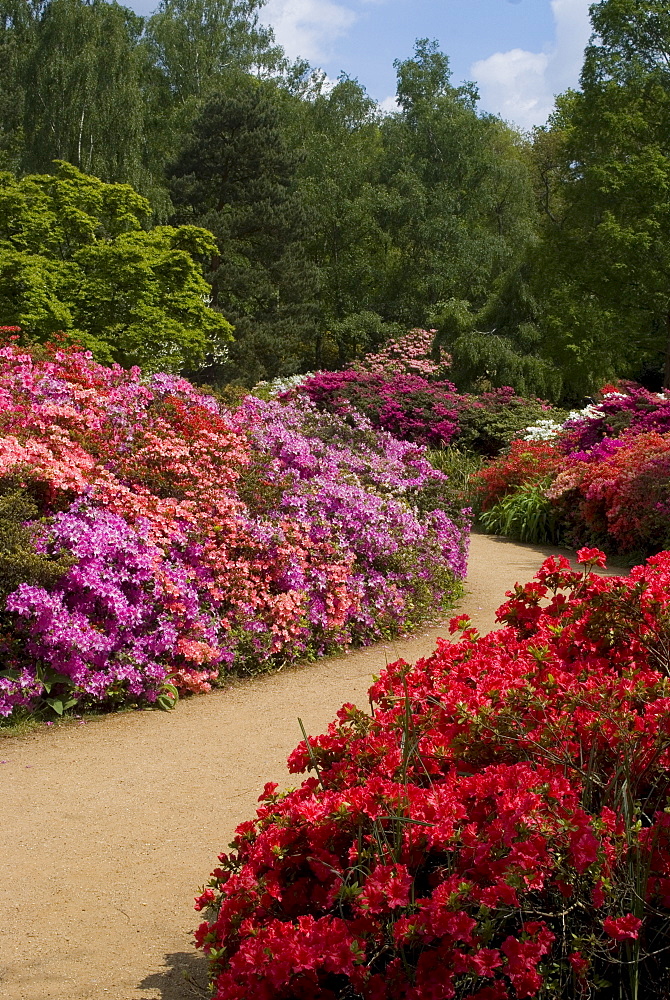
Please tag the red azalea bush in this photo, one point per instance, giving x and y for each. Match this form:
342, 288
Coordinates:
497, 829
525, 462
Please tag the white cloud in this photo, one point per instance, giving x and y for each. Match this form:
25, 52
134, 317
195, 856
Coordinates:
307, 28
389, 104
521, 85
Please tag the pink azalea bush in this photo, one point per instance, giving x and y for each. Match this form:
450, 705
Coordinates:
496, 829
408, 355
195, 541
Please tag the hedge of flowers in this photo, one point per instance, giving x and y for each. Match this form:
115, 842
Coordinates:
152, 538
405, 391
605, 472
498, 828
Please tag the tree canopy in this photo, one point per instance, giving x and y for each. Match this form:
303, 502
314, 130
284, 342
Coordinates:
543, 261
75, 258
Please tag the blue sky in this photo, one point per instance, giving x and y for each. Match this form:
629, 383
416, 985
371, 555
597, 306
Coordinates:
519, 52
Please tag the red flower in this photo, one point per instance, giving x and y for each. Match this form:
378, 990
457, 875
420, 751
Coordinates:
578, 963
591, 557
623, 928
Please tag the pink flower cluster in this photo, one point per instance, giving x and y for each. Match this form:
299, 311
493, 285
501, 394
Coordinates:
404, 390
496, 829
408, 355
202, 540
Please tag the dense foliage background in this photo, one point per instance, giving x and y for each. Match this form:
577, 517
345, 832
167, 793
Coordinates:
541, 260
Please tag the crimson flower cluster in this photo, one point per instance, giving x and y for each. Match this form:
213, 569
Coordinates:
498, 828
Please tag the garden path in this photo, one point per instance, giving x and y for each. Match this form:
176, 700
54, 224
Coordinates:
105, 842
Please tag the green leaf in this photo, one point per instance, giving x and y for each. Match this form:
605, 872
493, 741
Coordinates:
167, 698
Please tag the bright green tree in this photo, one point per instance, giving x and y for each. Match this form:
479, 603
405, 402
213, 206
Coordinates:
74, 257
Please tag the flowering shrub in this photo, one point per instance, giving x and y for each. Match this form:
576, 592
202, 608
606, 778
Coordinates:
603, 475
408, 355
497, 829
409, 406
170, 541
618, 492
526, 463
404, 391
635, 409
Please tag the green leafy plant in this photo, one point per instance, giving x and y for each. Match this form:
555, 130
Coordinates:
20, 562
527, 515
457, 463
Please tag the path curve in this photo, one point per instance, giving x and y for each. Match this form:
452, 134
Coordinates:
107, 829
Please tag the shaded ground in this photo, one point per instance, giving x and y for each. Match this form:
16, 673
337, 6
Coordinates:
107, 829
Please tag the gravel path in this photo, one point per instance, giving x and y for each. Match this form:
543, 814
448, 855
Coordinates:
107, 829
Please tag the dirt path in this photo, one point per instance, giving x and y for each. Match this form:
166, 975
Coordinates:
106, 839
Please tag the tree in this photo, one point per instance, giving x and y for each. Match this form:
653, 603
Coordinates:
339, 132
195, 49
84, 91
605, 258
18, 20
75, 258
237, 177
197, 44
501, 345
458, 200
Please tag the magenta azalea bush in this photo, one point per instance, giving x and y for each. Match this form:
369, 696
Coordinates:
190, 541
404, 390
497, 828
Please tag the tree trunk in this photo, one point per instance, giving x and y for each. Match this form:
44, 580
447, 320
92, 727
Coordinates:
666, 370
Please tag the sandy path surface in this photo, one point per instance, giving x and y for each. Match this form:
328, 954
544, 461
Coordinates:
105, 841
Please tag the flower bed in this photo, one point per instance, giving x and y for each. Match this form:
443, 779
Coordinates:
604, 474
152, 537
405, 391
497, 829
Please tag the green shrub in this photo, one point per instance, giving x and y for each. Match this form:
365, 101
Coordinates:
20, 562
492, 421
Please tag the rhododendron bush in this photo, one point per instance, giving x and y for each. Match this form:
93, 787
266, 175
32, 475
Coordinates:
184, 541
497, 828
605, 472
404, 390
